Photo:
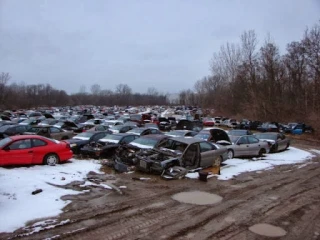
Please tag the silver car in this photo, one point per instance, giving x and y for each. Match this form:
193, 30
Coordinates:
248, 145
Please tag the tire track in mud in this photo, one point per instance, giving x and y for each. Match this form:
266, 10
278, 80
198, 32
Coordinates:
148, 214
130, 208
197, 229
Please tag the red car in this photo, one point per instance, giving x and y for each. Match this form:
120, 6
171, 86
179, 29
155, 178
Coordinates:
208, 122
33, 149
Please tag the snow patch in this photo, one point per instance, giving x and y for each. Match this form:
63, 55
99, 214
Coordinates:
18, 205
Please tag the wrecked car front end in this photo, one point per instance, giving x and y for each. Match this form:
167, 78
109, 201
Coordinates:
156, 161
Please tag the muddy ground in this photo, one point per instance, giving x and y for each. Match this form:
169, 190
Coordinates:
286, 196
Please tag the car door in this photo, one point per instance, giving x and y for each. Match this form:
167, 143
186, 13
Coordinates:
56, 133
254, 146
282, 141
18, 152
39, 150
97, 136
241, 147
190, 157
207, 155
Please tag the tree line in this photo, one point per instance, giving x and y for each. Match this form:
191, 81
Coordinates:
262, 84
22, 96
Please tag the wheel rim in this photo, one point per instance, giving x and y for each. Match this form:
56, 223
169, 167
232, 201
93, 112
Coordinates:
218, 161
52, 160
230, 154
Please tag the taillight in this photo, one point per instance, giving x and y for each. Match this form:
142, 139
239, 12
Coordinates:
68, 146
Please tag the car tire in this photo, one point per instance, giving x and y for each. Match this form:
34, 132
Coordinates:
288, 145
218, 161
261, 152
276, 148
230, 154
51, 159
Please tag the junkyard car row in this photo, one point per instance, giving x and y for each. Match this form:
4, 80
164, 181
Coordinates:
130, 140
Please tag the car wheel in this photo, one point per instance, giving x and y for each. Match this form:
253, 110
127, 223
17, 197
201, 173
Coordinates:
51, 159
275, 148
288, 145
230, 154
218, 161
261, 152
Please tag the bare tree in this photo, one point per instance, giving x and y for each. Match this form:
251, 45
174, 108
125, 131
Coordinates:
95, 89
4, 79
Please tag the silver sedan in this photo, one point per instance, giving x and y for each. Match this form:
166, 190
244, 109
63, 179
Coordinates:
246, 146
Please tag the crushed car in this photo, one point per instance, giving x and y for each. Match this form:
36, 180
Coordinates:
106, 146
189, 153
125, 155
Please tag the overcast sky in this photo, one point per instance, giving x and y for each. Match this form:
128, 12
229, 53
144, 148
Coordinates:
165, 44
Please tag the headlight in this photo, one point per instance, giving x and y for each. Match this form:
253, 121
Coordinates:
73, 145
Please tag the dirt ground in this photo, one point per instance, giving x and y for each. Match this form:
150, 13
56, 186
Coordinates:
286, 196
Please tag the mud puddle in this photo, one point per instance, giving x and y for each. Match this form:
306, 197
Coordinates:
197, 198
267, 230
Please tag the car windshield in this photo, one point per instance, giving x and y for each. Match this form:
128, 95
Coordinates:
4, 127
135, 117
204, 134
84, 135
91, 121
234, 138
237, 132
27, 121
137, 130
59, 124
266, 136
144, 141
33, 129
117, 127
112, 137
4, 141
177, 133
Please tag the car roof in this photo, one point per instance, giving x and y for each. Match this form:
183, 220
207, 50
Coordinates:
19, 137
267, 133
155, 136
209, 128
123, 134
188, 140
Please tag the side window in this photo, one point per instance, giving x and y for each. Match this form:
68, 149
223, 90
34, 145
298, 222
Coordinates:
242, 140
21, 129
167, 143
128, 139
38, 143
20, 144
253, 139
204, 147
98, 136
154, 131
54, 130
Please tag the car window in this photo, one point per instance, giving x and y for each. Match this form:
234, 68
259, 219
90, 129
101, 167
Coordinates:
100, 128
166, 143
204, 147
38, 143
154, 131
20, 144
253, 139
128, 139
242, 140
54, 130
98, 136
21, 128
